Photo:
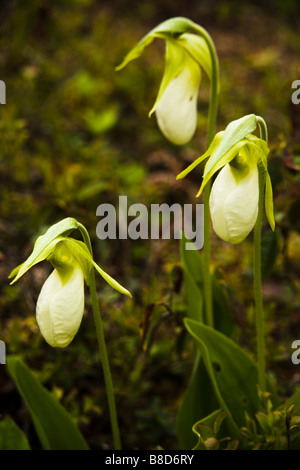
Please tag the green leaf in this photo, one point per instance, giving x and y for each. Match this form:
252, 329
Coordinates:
208, 427
53, 424
44, 246
192, 265
198, 401
234, 132
11, 436
232, 372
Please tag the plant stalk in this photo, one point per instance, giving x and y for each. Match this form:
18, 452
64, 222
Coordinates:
102, 347
260, 322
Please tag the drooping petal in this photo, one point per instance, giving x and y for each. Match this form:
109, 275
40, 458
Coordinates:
45, 245
234, 205
83, 256
176, 105
214, 144
165, 30
60, 308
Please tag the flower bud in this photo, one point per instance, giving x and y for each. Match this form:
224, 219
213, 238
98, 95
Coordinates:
234, 203
60, 307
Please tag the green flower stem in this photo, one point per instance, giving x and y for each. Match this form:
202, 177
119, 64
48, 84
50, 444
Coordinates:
102, 347
260, 327
260, 324
206, 258
211, 128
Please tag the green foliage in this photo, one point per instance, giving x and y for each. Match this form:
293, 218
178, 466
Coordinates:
53, 424
207, 430
272, 429
75, 134
199, 399
269, 429
269, 252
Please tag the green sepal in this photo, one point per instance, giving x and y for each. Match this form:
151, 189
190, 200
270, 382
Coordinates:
215, 143
84, 257
172, 27
44, 249
234, 133
269, 207
36, 256
45, 245
222, 161
176, 30
262, 151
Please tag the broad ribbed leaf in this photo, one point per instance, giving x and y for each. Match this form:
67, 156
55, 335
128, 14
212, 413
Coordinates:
199, 399
232, 372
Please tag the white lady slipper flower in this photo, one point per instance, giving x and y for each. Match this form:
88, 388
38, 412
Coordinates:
186, 53
237, 154
234, 204
60, 305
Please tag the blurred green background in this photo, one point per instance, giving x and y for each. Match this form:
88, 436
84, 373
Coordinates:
76, 134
